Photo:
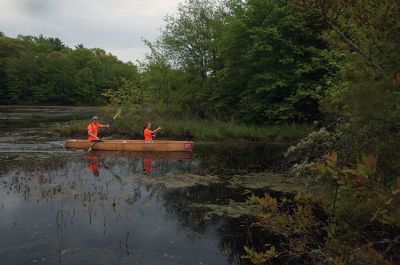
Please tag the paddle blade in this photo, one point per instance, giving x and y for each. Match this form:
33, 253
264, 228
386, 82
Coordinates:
91, 147
118, 113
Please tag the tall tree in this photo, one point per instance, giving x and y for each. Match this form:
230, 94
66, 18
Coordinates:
366, 95
276, 63
190, 44
190, 38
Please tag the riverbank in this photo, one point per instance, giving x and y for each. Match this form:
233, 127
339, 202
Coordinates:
198, 130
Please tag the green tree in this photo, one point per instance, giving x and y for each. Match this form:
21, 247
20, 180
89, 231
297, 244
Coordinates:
166, 85
189, 51
58, 78
366, 96
9, 48
42, 44
85, 86
276, 63
21, 76
191, 37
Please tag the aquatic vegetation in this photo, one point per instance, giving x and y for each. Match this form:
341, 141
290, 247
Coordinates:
282, 184
260, 257
268, 180
360, 226
233, 209
71, 128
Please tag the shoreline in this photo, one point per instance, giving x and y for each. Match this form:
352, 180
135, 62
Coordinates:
199, 131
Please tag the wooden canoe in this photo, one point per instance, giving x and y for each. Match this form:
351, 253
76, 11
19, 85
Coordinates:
133, 145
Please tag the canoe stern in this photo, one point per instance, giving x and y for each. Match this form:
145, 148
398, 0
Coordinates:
188, 146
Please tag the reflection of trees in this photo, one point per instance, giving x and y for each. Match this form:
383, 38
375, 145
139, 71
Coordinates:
228, 159
178, 201
233, 233
122, 184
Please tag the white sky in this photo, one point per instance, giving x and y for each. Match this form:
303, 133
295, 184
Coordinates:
116, 26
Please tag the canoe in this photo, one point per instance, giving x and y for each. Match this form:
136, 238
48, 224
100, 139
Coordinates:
133, 145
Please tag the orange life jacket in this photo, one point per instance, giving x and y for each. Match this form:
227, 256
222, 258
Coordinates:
148, 136
94, 130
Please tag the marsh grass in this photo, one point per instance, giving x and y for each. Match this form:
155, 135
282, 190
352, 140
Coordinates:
200, 130
71, 128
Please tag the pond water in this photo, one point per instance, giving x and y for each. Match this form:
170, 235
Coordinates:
61, 206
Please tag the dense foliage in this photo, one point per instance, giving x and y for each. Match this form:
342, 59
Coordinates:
276, 65
358, 154
358, 225
253, 61
39, 70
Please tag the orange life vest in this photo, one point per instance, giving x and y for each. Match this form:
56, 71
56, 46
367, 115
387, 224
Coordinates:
94, 130
148, 136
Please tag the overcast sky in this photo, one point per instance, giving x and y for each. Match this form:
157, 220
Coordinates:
117, 26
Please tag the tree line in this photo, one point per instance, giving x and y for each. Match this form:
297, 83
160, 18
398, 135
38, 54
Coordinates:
42, 70
253, 61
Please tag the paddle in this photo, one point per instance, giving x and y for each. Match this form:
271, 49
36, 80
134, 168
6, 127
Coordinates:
156, 131
113, 119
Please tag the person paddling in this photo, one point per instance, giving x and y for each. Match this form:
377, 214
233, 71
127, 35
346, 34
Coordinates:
148, 133
93, 129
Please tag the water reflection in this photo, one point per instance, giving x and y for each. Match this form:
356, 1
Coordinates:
106, 206
148, 165
94, 164
103, 206
74, 207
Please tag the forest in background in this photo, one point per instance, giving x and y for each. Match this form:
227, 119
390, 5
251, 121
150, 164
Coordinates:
43, 70
254, 62
335, 63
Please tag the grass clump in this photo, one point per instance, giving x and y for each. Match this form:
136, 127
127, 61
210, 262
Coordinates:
131, 123
72, 128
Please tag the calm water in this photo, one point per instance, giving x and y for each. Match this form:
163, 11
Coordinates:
62, 206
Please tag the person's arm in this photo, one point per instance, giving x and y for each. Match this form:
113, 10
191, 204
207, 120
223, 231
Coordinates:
156, 130
104, 125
